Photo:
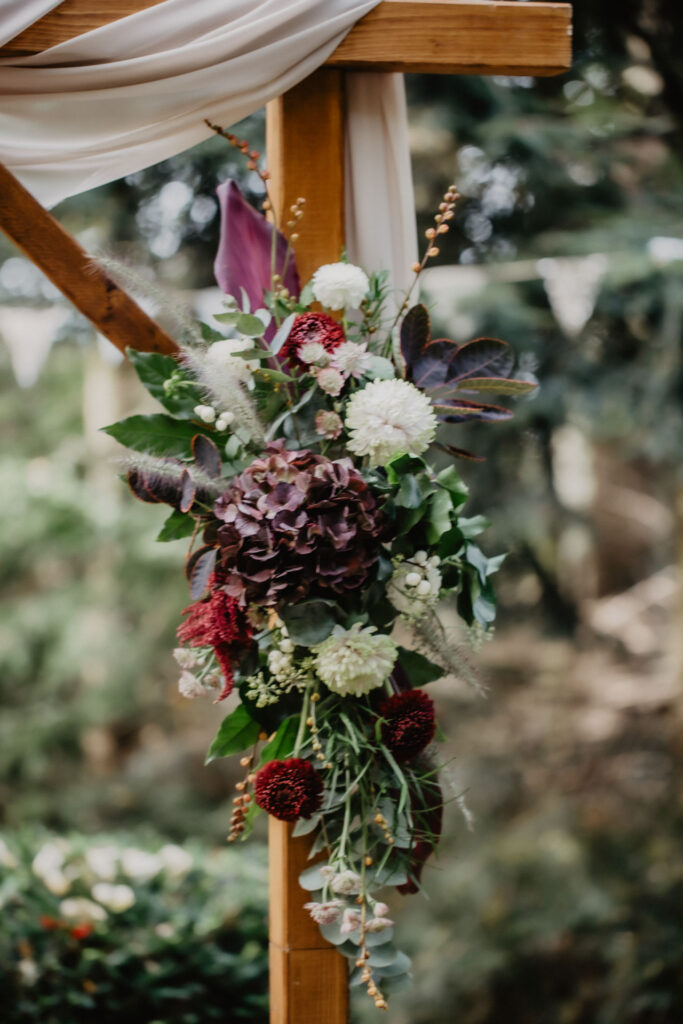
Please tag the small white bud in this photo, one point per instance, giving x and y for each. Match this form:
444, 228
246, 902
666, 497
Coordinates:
424, 589
286, 645
420, 557
413, 579
206, 413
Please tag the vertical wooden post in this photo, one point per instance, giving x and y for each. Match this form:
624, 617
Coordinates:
305, 154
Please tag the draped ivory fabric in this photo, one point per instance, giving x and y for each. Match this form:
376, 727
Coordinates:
132, 93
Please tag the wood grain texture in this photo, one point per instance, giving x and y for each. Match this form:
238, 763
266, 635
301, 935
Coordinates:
73, 271
305, 155
72, 18
308, 977
456, 37
448, 36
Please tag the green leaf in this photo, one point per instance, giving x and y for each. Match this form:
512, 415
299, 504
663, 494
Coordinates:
440, 510
457, 488
282, 334
210, 333
154, 370
157, 434
420, 670
265, 374
237, 732
176, 526
282, 743
306, 296
310, 622
250, 325
409, 492
500, 385
402, 464
471, 528
380, 369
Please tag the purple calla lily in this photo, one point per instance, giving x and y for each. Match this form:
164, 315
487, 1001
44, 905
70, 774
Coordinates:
244, 250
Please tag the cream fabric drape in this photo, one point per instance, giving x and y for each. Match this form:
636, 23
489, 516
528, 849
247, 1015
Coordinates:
134, 92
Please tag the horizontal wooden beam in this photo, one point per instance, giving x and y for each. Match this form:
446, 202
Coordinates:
75, 273
476, 37
460, 37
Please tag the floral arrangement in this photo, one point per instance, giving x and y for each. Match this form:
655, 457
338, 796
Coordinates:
299, 452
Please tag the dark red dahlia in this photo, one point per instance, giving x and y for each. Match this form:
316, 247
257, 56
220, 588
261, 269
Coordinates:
409, 724
316, 327
220, 622
288, 789
293, 522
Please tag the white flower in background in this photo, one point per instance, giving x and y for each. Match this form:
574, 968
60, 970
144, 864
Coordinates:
206, 413
352, 358
165, 930
7, 858
221, 356
328, 424
50, 857
415, 585
28, 971
325, 913
177, 861
355, 661
116, 898
79, 908
103, 861
351, 921
189, 686
378, 924
313, 352
140, 865
56, 882
340, 285
329, 380
389, 417
345, 883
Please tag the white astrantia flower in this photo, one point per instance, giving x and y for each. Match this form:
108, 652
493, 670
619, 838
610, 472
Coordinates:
355, 661
325, 913
221, 354
340, 285
345, 883
387, 418
415, 585
116, 898
351, 920
189, 686
329, 380
81, 909
352, 358
313, 352
186, 657
328, 424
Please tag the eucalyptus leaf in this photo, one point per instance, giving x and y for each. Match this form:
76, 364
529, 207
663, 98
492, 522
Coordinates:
282, 334
380, 369
401, 965
305, 826
383, 956
237, 732
311, 879
251, 326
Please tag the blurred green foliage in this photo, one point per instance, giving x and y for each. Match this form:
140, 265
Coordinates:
564, 905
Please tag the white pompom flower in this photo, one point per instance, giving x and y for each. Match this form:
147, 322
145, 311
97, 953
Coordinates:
387, 418
354, 661
352, 358
340, 285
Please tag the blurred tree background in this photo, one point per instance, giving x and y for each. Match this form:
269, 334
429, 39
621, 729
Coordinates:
565, 902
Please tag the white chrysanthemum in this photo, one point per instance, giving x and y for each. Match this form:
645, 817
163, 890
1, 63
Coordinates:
415, 585
221, 354
389, 417
116, 898
355, 661
340, 285
352, 358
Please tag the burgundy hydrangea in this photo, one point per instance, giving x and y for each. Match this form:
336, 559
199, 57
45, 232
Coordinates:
312, 327
220, 622
295, 522
409, 724
288, 789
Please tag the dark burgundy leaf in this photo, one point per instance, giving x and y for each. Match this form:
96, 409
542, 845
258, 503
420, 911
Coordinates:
244, 250
459, 410
206, 455
198, 569
459, 453
483, 357
153, 487
414, 336
187, 492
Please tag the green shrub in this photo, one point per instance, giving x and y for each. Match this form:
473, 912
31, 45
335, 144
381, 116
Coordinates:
109, 930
